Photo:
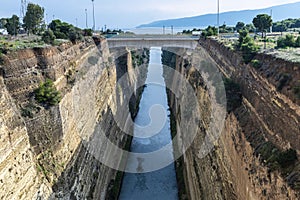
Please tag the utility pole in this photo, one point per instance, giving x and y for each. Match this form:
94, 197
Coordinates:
15, 31
164, 32
271, 18
94, 25
86, 18
76, 22
23, 8
172, 28
218, 18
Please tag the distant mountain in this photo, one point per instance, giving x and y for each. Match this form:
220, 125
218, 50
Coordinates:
280, 12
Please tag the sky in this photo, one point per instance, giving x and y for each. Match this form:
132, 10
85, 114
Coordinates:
131, 13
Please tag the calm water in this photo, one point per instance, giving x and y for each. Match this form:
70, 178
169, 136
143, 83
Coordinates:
160, 184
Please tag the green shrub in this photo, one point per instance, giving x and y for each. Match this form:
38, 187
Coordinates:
46, 94
296, 90
256, 63
1, 59
243, 38
48, 37
60, 35
287, 158
284, 79
281, 43
29, 110
247, 46
288, 41
74, 35
275, 158
297, 42
4, 47
88, 32
209, 31
25, 112
233, 94
249, 50
63, 30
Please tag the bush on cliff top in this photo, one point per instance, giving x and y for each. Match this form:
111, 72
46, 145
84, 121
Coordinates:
288, 41
48, 37
247, 46
209, 31
63, 30
46, 94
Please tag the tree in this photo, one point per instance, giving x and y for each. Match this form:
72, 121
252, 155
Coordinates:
13, 25
3, 21
48, 37
33, 18
239, 26
262, 22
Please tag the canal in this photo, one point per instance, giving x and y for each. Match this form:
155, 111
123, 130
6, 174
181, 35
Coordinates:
153, 114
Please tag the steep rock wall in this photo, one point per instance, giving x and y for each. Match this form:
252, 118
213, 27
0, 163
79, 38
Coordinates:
235, 168
58, 143
19, 177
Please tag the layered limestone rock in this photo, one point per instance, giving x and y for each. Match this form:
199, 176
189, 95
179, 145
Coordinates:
235, 168
53, 152
19, 177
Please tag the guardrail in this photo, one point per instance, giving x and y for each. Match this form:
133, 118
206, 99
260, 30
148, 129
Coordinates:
154, 36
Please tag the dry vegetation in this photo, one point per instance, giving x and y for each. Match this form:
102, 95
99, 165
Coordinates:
289, 53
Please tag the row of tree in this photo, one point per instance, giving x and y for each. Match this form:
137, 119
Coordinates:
263, 20
33, 21
286, 24
261, 23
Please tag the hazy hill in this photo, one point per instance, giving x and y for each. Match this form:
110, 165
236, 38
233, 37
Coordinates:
280, 12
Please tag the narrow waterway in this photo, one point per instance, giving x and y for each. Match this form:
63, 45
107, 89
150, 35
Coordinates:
160, 184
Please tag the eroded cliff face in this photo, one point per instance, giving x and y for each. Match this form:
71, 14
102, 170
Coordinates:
52, 152
267, 120
19, 178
